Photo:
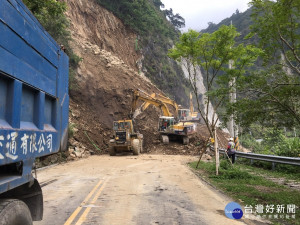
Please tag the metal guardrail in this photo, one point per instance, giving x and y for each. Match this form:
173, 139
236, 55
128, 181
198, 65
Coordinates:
269, 158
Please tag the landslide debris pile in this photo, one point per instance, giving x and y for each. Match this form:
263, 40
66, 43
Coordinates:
147, 124
101, 92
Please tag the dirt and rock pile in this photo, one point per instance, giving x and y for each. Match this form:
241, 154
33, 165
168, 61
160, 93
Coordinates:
109, 72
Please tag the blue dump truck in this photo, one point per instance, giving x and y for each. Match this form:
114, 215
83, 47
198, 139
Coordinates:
34, 105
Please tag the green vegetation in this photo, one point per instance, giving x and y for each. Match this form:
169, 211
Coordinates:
272, 141
143, 16
71, 129
276, 23
50, 14
264, 169
250, 188
156, 35
212, 53
92, 142
270, 94
242, 22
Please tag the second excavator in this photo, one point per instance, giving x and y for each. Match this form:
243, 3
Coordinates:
168, 125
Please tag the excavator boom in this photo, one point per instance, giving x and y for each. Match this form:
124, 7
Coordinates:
140, 95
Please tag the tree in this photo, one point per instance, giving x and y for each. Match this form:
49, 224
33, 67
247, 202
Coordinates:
276, 23
271, 95
211, 53
50, 14
177, 21
158, 4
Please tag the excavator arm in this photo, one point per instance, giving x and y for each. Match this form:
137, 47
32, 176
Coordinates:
140, 95
164, 99
169, 101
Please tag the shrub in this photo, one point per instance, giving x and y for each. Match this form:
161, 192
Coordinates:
225, 164
71, 129
288, 147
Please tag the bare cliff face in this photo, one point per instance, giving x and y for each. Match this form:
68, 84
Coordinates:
107, 74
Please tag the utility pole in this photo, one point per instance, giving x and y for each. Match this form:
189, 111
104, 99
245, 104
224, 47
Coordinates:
232, 100
232, 126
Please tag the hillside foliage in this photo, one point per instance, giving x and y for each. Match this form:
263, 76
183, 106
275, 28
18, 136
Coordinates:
241, 20
212, 53
50, 14
269, 94
157, 30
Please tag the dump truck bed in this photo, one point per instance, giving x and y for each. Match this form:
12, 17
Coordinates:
34, 96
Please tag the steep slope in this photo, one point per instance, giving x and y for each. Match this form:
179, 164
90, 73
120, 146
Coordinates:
242, 22
107, 74
105, 80
156, 35
91, 23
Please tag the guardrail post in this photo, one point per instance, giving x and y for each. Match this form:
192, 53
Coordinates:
273, 165
251, 161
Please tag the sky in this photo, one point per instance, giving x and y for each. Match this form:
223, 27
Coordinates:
197, 13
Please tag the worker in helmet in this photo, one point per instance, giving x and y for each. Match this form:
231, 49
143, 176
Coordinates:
231, 150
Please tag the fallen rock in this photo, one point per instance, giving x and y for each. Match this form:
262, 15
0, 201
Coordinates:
71, 150
156, 142
78, 154
207, 157
92, 152
73, 142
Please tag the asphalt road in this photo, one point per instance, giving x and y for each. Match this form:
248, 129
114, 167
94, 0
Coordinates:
147, 189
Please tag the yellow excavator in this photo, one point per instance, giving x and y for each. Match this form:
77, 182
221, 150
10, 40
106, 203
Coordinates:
188, 114
183, 115
161, 98
168, 126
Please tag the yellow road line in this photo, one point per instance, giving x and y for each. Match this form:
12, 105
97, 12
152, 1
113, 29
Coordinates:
88, 209
75, 213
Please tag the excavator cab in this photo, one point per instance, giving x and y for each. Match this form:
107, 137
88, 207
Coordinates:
184, 114
166, 123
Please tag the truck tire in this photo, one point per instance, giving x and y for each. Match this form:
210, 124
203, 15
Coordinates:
136, 146
14, 212
165, 139
185, 140
112, 151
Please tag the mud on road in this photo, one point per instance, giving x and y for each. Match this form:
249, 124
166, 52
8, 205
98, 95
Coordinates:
148, 189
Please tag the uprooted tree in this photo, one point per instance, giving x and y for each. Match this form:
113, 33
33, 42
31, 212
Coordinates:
210, 54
